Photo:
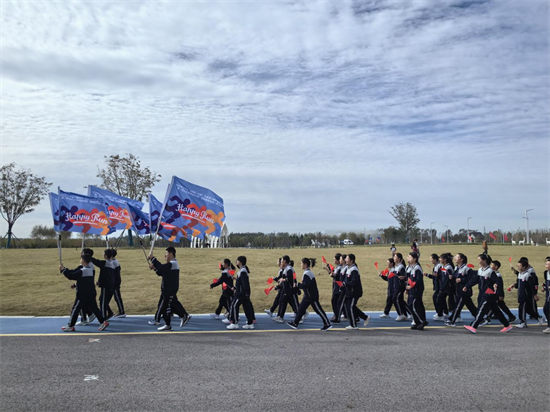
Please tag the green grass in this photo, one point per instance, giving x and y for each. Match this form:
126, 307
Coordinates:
30, 282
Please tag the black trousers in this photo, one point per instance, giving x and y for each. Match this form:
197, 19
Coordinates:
104, 299
505, 309
441, 304
247, 306
452, 298
169, 305
389, 304
340, 306
418, 309
225, 302
352, 311
546, 311
461, 301
276, 301
306, 302
118, 299
487, 307
400, 305
86, 304
291, 300
527, 307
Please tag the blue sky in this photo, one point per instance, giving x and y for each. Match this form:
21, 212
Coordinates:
303, 116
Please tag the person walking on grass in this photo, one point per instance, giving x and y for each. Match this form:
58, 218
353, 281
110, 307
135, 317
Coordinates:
85, 292
311, 296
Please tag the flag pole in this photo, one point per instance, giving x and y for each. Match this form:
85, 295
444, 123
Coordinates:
119, 238
142, 247
59, 247
83, 237
160, 216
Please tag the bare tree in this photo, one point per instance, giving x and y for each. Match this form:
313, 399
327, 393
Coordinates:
406, 216
126, 177
20, 191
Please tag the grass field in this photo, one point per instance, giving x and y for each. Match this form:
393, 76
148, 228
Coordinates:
30, 283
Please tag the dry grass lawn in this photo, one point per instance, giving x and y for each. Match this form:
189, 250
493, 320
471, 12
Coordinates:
30, 283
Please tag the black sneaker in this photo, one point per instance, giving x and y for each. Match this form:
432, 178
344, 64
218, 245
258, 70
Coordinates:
184, 320
414, 327
326, 327
421, 327
292, 325
512, 319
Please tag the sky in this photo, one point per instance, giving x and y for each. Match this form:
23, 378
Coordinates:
302, 116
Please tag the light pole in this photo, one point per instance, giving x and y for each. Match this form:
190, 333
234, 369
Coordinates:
468, 226
447, 233
431, 234
527, 223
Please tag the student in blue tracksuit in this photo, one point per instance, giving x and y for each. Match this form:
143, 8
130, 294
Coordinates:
415, 286
116, 290
354, 291
85, 292
290, 291
487, 280
106, 282
399, 291
342, 299
393, 288
337, 291
446, 269
311, 296
169, 303
241, 297
279, 290
437, 277
527, 293
532, 308
546, 288
461, 276
226, 281
495, 265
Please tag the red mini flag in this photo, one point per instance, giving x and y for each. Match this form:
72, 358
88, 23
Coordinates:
231, 272
267, 290
269, 281
385, 271
470, 265
490, 291
376, 265
224, 286
338, 283
324, 260
220, 265
510, 259
443, 270
411, 283
214, 280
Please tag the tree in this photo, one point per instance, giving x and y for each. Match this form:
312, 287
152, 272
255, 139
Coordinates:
44, 232
20, 191
406, 216
126, 176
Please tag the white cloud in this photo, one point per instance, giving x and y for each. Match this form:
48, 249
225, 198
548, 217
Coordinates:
290, 111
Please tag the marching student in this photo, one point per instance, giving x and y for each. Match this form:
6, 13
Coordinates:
447, 287
86, 315
311, 296
289, 286
169, 287
85, 292
495, 265
106, 282
241, 297
533, 310
415, 286
461, 276
116, 291
399, 292
342, 299
226, 280
393, 286
337, 291
354, 291
271, 311
546, 288
437, 276
488, 281
527, 293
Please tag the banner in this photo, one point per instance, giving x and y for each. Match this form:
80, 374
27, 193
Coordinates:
116, 206
84, 214
54, 205
140, 220
195, 210
166, 231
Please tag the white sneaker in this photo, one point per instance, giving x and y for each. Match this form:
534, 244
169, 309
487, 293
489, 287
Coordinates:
547, 330
440, 318
540, 322
383, 315
301, 321
434, 316
274, 315
522, 325
485, 322
120, 315
233, 326
413, 323
278, 320
409, 317
351, 327
82, 323
214, 316
226, 321
269, 313
153, 322
446, 317
248, 326
165, 327
366, 321
401, 318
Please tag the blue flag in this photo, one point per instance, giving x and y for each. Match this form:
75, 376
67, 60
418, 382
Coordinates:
140, 220
54, 204
195, 210
95, 191
84, 214
166, 231
117, 206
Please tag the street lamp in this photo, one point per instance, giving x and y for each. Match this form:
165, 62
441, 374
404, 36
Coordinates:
527, 223
468, 226
447, 233
431, 234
